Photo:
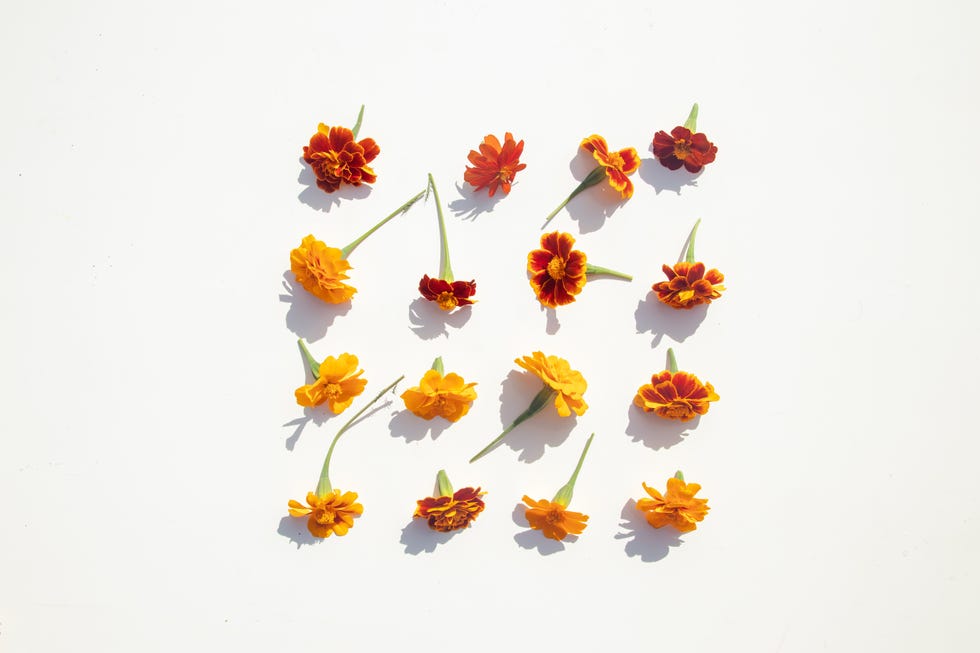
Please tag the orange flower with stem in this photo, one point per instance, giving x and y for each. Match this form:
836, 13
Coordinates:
675, 395
329, 510
558, 272
450, 511
445, 290
336, 381
612, 166
321, 270
495, 164
684, 146
562, 385
337, 157
438, 394
553, 518
678, 507
688, 285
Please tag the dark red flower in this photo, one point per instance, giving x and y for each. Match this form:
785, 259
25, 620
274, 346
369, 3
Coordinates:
450, 513
336, 158
682, 148
447, 294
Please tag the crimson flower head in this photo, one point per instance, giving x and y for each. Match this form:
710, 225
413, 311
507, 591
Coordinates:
684, 146
495, 164
447, 294
338, 158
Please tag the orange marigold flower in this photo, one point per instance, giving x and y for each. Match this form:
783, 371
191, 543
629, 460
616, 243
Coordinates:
332, 513
617, 164
675, 395
553, 519
338, 384
557, 271
447, 294
678, 508
321, 270
495, 164
450, 513
336, 158
446, 396
557, 374
688, 285
683, 148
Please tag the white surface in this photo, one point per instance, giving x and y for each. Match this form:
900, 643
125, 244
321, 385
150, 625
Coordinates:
149, 158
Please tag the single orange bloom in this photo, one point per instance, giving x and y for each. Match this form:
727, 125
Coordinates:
437, 395
560, 377
553, 519
320, 270
450, 513
688, 285
677, 395
678, 508
333, 513
495, 164
338, 384
557, 270
617, 164
336, 158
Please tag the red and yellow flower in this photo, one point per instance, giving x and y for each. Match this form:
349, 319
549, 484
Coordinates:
338, 158
678, 507
448, 295
331, 514
495, 164
684, 146
557, 270
674, 394
450, 511
617, 165
688, 285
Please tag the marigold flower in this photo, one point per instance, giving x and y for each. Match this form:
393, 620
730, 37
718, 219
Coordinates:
553, 519
675, 395
557, 270
678, 508
321, 270
450, 511
447, 295
446, 396
616, 164
688, 285
333, 513
337, 158
684, 146
558, 375
495, 164
338, 383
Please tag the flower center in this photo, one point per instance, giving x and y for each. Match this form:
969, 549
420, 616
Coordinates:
334, 390
681, 149
553, 517
326, 516
678, 409
331, 162
616, 160
556, 268
447, 301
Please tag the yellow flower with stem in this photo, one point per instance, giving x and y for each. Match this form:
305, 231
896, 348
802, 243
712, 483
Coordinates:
440, 395
678, 507
336, 381
329, 510
552, 517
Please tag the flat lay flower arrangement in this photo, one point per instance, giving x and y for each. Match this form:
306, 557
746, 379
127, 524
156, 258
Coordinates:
558, 273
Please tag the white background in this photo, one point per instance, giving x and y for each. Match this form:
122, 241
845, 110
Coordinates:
152, 189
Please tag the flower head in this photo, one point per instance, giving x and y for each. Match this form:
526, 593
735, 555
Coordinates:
321, 270
616, 164
682, 147
448, 295
451, 512
336, 158
446, 396
688, 285
557, 270
557, 374
553, 519
678, 508
332, 513
338, 384
495, 164
675, 395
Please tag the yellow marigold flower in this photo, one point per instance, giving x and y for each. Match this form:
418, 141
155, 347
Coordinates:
557, 374
333, 513
677, 508
553, 519
338, 384
446, 396
321, 270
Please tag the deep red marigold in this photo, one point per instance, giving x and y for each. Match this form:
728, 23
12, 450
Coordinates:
447, 294
616, 164
450, 513
682, 148
688, 285
336, 158
557, 270
495, 164
675, 395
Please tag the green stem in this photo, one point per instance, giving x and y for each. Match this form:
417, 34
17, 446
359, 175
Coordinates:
671, 361
437, 365
595, 269
593, 178
690, 242
692, 119
445, 487
323, 487
540, 400
680, 475
357, 125
564, 495
314, 366
401, 209
445, 270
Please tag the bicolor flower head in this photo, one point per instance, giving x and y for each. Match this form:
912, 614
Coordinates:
448, 295
688, 285
451, 512
617, 165
336, 158
675, 395
557, 270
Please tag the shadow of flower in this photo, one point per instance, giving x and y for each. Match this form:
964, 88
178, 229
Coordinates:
408, 425
318, 416
659, 319
418, 537
308, 317
474, 203
662, 178
546, 429
643, 540
657, 432
316, 198
591, 207
294, 529
429, 321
